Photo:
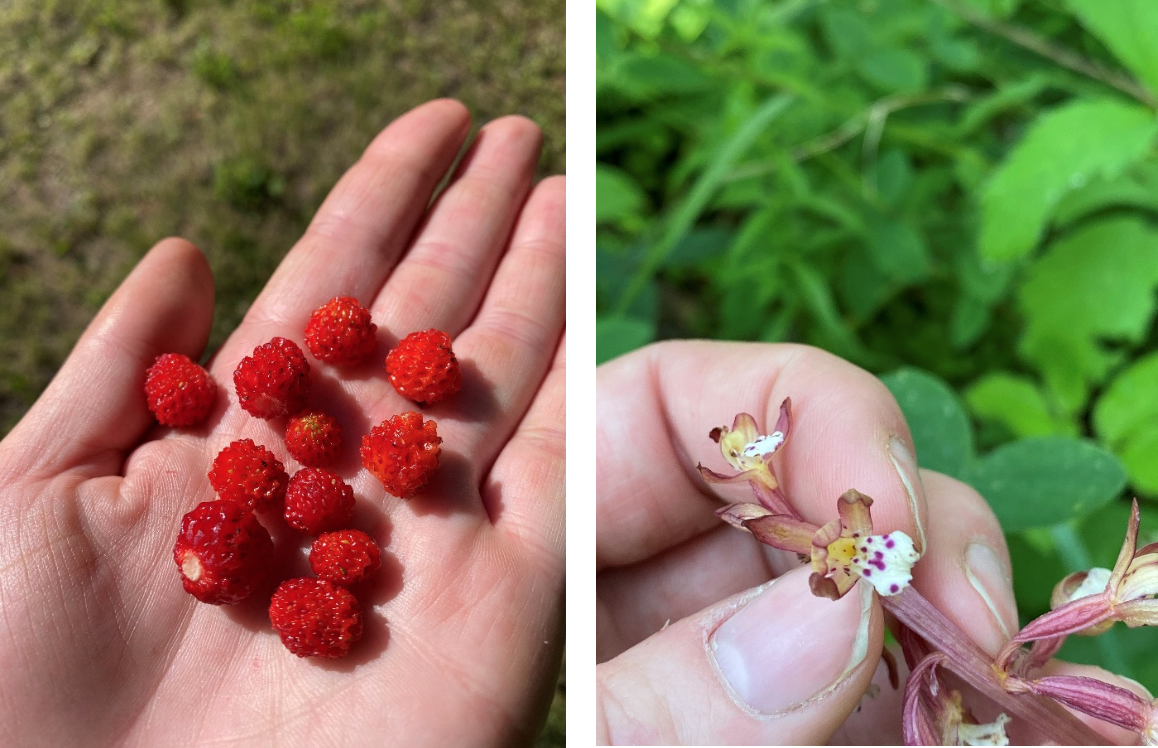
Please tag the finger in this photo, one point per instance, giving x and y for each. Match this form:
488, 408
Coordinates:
656, 407
443, 276
511, 340
365, 223
94, 410
633, 602
775, 665
525, 493
966, 573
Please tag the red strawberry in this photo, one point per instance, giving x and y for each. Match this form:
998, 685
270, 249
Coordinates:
423, 367
344, 557
314, 618
340, 332
223, 552
249, 474
180, 393
318, 500
402, 452
274, 381
313, 438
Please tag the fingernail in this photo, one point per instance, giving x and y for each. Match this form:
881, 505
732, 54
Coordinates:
906, 466
991, 578
786, 647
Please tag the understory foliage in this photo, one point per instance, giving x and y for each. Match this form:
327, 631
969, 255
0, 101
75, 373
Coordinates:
958, 195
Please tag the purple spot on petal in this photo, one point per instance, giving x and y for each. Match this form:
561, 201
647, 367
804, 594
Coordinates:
879, 554
890, 544
868, 540
867, 572
864, 549
894, 589
878, 563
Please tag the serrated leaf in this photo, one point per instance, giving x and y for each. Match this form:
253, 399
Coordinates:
1129, 28
615, 336
1046, 480
1129, 403
1138, 189
1097, 282
1063, 150
617, 196
941, 432
1137, 453
1017, 404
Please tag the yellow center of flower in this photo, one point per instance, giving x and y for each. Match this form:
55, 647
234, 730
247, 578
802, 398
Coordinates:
841, 551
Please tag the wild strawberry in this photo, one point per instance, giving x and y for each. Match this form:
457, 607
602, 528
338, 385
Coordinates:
318, 500
314, 618
402, 452
344, 557
223, 553
313, 438
274, 381
249, 474
179, 392
340, 332
423, 367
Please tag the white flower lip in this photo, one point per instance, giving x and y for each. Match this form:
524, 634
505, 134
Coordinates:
886, 561
764, 445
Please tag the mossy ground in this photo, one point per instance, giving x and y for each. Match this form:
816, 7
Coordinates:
125, 121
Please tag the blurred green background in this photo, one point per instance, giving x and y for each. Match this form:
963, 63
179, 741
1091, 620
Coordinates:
959, 195
226, 122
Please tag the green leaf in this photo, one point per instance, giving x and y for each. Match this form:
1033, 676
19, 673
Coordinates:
1126, 417
1129, 403
898, 250
1097, 282
615, 336
1046, 480
1063, 150
1017, 404
1129, 28
685, 213
846, 31
894, 70
1138, 189
941, 432
996, 8
617, 196
1137, 454
650, 76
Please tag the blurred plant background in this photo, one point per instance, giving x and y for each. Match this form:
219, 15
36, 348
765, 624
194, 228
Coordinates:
226, 122
958, 195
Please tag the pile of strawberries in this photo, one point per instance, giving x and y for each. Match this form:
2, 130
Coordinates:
223, 552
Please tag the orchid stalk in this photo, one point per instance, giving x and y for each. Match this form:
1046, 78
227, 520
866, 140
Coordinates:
845, 552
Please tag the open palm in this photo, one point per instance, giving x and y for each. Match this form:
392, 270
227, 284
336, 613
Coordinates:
100, 643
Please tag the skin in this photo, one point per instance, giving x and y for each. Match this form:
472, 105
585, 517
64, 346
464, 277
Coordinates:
464, 623
670, 572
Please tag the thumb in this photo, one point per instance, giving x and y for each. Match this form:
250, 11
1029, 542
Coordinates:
774, 665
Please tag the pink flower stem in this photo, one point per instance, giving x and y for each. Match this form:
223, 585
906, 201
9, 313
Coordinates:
1048, 718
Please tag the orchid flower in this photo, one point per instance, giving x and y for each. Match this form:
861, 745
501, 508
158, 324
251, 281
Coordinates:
842, 552
1089, 602
750, 452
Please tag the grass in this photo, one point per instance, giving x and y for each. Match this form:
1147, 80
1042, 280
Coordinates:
225, 122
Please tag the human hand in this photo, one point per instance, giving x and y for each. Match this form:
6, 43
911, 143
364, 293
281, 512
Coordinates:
464, 632
694, 645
